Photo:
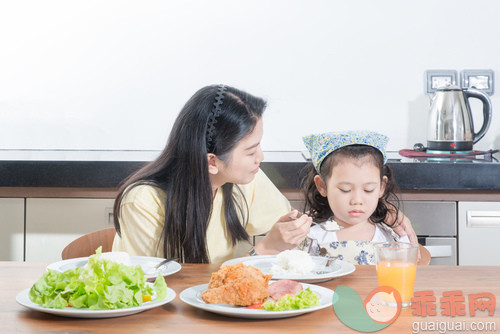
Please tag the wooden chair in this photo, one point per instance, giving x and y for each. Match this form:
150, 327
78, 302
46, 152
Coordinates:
425, 256
88, 243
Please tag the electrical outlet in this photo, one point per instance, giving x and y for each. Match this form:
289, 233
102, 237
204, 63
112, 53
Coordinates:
436, 79
479, 79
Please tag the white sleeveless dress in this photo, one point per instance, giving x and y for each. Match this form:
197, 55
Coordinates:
321, 242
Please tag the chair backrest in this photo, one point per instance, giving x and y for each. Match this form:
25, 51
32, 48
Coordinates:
88, 243
425, 256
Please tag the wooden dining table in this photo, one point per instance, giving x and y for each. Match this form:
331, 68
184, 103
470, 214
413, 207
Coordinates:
179, 317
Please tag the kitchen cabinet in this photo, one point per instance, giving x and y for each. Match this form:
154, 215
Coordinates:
52, 223
12, 223
435, 223
55, 216
479, 232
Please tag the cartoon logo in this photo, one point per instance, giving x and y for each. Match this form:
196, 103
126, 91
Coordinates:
380, 308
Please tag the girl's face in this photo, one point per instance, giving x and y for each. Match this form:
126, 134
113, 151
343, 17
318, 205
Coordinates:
243, 163
353, 190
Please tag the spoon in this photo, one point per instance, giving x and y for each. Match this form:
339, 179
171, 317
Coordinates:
162, 263
327, 265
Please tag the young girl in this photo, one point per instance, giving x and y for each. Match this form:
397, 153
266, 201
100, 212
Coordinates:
349, 191
205, 191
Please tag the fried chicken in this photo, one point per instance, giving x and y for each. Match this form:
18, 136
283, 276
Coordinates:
237, 284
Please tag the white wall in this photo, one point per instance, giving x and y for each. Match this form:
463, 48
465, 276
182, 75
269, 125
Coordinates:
114, 74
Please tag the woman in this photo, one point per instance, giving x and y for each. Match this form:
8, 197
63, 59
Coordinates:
205, 192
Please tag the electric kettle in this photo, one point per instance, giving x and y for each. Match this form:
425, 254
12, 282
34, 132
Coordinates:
451, 127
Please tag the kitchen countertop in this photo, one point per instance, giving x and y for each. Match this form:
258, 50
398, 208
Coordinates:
106, 169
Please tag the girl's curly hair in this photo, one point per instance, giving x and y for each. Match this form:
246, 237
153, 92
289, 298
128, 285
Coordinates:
317, 206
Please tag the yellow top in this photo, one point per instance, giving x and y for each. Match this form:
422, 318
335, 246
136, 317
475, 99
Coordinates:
142, 217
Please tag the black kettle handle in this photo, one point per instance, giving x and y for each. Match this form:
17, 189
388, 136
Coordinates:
486, 111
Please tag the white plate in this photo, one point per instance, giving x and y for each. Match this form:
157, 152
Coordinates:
24, 299
265, 263
192, 296
147, 264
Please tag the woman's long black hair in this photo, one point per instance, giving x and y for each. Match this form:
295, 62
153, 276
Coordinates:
181, 171
317, 206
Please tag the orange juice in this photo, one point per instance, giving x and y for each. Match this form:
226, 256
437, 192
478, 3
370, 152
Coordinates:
399, 275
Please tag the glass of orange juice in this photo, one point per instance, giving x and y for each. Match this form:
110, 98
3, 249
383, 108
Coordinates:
397, 267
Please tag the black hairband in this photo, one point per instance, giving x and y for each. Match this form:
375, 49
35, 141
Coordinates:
214, 113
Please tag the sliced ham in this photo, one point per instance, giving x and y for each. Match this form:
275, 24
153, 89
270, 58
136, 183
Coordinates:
283, 287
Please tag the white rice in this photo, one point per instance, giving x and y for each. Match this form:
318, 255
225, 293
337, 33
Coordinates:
293, 262
331, 225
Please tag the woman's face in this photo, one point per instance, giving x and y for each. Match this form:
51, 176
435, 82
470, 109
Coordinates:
244, 161
353, 190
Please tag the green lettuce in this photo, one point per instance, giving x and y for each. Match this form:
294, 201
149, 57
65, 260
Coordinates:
303, 299
100, 285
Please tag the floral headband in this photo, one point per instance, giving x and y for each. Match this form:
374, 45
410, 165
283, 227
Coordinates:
321, 145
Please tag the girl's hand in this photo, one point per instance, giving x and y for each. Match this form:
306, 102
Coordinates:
287, 233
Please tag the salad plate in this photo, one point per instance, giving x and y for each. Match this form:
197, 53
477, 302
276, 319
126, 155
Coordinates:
24, 299
266, 262
147, 264
192, 296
